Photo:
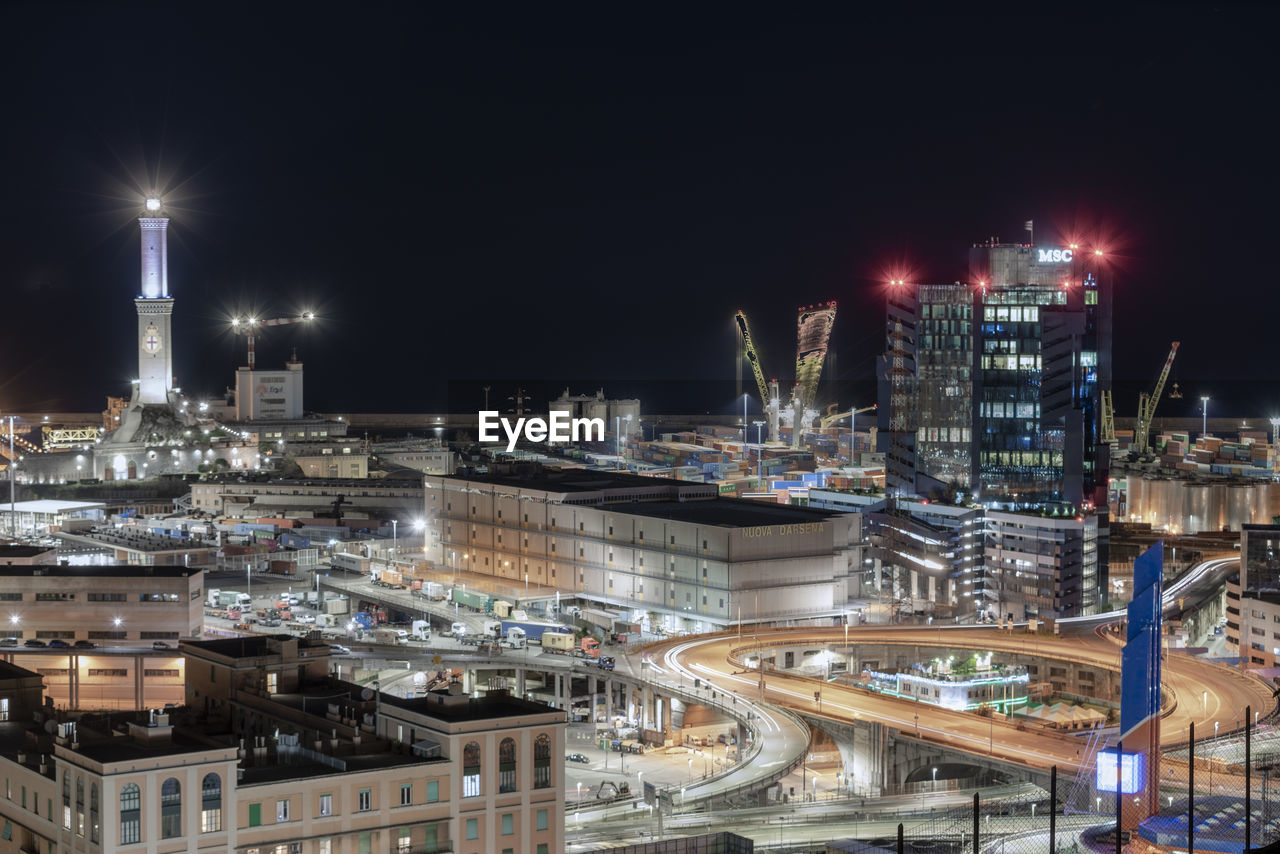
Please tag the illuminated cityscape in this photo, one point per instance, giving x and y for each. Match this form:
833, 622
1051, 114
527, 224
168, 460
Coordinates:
814, 434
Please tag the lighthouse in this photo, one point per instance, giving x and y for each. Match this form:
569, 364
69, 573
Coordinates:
155, 309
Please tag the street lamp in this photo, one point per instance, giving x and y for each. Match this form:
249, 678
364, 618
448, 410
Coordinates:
579, 795
1204, 400
394, 539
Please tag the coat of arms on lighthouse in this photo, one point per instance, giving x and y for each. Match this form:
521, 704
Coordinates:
151, 339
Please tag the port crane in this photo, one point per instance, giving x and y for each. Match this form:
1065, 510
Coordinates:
248, 327
754, 358
1147, 407
832, 417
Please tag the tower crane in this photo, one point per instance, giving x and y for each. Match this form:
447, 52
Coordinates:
248, 327
1147, 406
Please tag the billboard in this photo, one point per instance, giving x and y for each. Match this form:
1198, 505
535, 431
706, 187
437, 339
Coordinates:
1132, 772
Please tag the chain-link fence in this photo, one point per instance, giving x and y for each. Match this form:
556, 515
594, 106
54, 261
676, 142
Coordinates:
1218, 794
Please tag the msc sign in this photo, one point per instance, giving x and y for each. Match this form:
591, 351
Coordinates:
1055, 256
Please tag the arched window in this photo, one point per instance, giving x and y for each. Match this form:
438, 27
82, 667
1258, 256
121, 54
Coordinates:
471, 770
130, 814
171, 809
507, 765
211, 804
542, 762
95, 820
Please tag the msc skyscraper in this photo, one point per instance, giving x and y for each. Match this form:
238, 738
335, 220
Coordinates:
992, 388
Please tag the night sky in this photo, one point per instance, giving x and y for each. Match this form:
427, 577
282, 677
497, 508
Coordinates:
536, 198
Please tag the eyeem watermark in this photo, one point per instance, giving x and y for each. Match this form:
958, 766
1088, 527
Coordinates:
560, 430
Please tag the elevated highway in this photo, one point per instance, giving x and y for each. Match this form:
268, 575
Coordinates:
1195, 690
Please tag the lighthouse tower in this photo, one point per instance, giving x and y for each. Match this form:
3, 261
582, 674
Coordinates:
155, 309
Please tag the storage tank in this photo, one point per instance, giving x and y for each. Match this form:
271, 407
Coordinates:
1200, 505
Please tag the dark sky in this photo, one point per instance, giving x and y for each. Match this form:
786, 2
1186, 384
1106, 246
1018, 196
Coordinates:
521, 197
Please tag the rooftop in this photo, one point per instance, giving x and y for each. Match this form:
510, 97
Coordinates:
566, 480
252, 646
461, 708
14, 550
118, 571
51, 507
727, 512
409, 479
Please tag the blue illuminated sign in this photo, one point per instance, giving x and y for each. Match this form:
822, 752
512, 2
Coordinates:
1132, 772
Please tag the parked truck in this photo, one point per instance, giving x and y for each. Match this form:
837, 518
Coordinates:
560, 643
420, 630
501, 608
534, 629
349, 563
433, 590
224, 598
514, 638
472, 599
397, 636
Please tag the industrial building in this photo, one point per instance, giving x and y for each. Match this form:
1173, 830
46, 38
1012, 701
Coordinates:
238, 498
672, 552
622, 415
112, 604
269, 395
430, 456
271, 755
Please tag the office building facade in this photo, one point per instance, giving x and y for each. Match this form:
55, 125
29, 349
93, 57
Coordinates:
992, 388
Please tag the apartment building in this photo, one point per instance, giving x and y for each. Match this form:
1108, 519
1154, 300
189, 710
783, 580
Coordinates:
298, 764
671, 551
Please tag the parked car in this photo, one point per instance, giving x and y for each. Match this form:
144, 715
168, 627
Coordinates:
578, 757
8, 641
85, 644
59, 643
338, 649
161, 645
34, 643
306, 619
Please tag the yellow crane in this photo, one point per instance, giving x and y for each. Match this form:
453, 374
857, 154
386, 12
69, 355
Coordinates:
754, 358
1108, 432
1147, 407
